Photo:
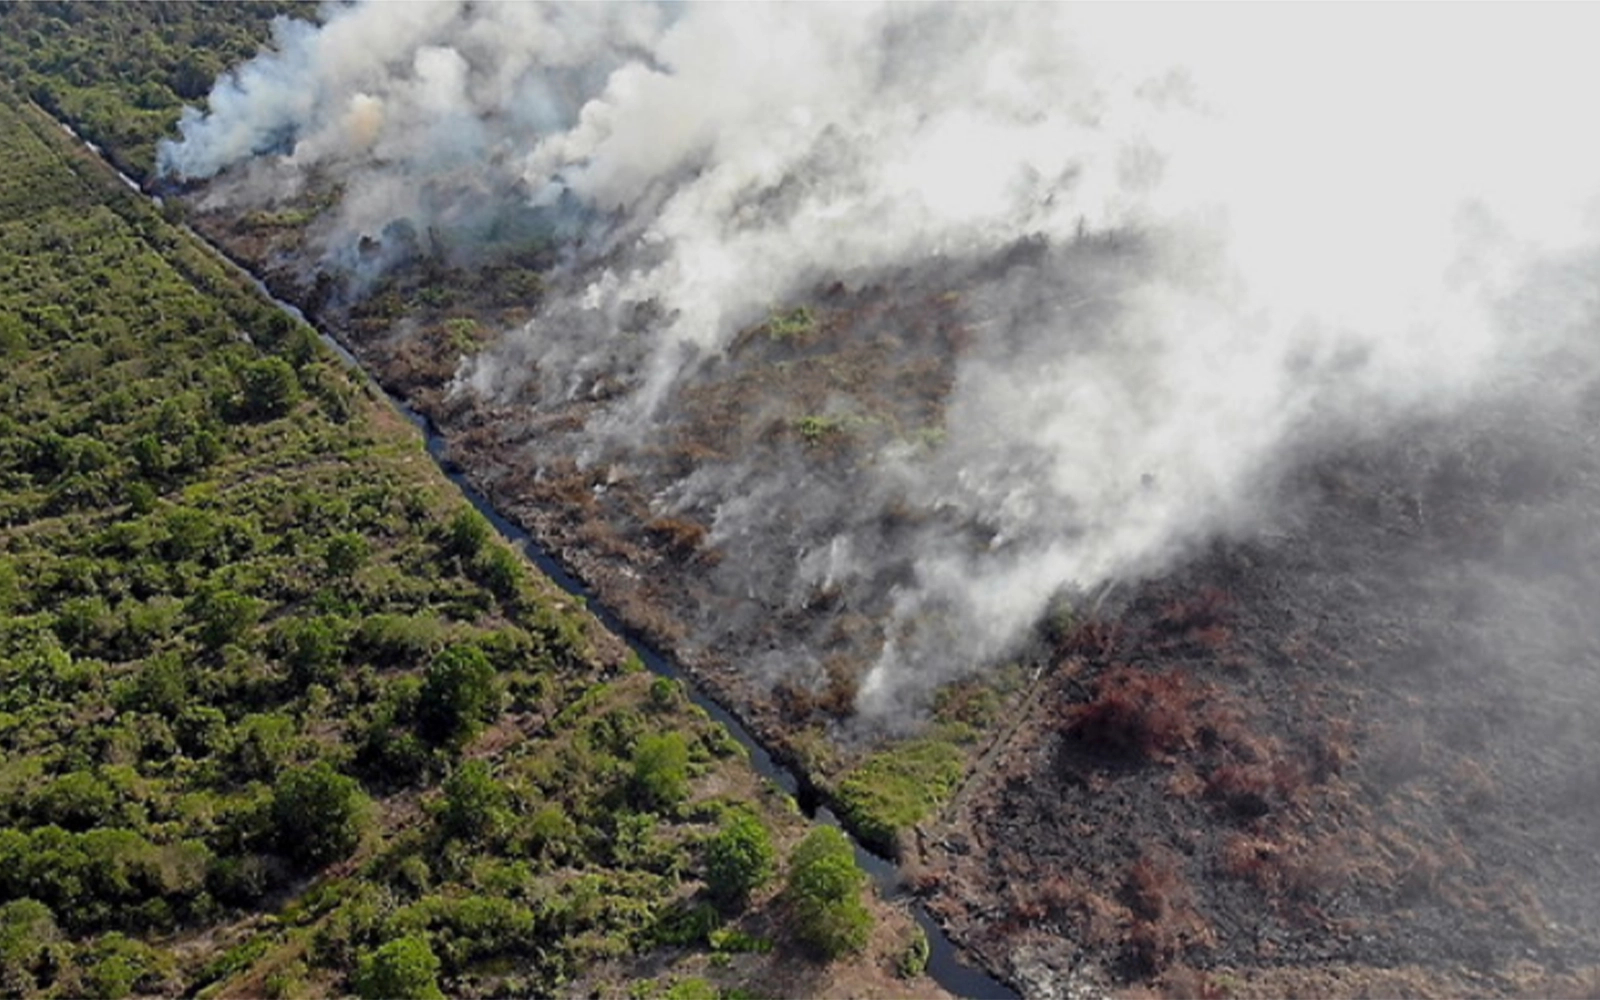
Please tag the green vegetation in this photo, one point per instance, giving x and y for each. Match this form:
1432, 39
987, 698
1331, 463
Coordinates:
318, 814
279, 713
740, 858
660, 771
814, 429
913, 961
792, 323
458, 696
894, 789
120, 72
404, 969
475, 804
268, 684
824, 890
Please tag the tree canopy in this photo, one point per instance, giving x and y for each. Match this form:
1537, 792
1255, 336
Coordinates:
824, 890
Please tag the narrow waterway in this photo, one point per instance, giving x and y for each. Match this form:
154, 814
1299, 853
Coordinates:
944, 967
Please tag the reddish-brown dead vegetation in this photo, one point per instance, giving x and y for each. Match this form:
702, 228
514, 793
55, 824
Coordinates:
1165, 921
1094, 640
1252, 790
680, 536
834, 697
1141, 713
1206, 608
1285, 867
1095, 919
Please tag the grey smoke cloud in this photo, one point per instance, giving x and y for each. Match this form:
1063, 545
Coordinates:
422, 111
1262, 225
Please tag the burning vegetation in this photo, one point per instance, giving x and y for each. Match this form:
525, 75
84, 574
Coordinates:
839, 407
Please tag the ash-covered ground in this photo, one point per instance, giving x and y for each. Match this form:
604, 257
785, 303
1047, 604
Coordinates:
1356, 753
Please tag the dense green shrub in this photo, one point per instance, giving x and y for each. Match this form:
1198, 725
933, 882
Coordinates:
894, 789
312, 648
459, 695
404, 969
501, 570
28, 942
467, 532
660, 778
824, 894
223, 616
346, 553
474, 806
270, 388
739, 858
318, 814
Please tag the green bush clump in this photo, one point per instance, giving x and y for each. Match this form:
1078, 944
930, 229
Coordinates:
318, 814
474, 806
312, 648
346, 553
467, 533
739, 858
403, 969
792, 323
270, 389
459, 695
660, 777
824, 894
913, 961
895, 789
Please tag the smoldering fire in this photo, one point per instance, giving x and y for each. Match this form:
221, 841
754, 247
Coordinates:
1333, 217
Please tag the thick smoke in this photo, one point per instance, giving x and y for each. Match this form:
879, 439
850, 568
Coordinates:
421, 112
1262, 227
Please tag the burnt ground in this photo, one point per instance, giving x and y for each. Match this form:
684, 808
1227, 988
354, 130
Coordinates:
1357, 756
1353, 754
809, 401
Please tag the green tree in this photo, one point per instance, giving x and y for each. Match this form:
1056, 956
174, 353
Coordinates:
312, 648
270, 388
404, 969
190, 533
116, 964
201, 730
661, 771
11, 588
501, 571
474, 805
223, 616
346, 553
160, 687
467, 533
824, 893
459, 695
692, 988
77, 801
318, 814
739, 858
262, 744
28, 933
141, 496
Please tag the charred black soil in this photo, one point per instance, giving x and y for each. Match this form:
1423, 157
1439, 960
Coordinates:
1363, 742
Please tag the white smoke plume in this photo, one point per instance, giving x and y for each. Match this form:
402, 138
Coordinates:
1323, 214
